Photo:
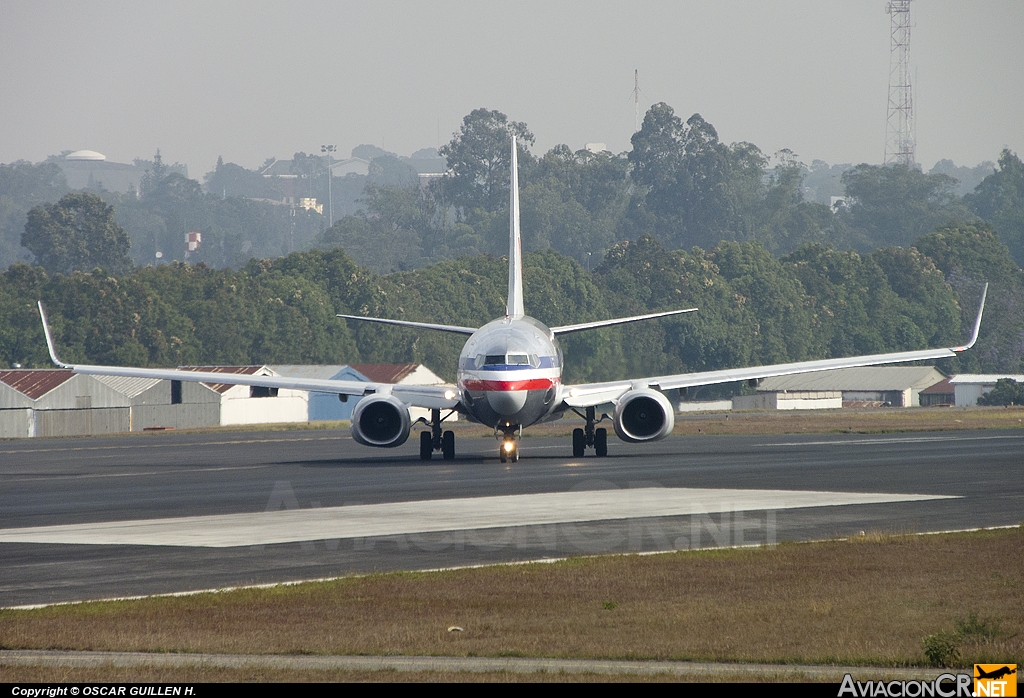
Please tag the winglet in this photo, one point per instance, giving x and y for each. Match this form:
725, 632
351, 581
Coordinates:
49, 339
977, 322
514, 309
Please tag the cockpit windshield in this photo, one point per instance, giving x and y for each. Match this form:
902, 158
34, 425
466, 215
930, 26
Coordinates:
507, 360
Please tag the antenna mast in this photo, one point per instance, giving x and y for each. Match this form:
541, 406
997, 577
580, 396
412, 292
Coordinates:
899, 128
636, 100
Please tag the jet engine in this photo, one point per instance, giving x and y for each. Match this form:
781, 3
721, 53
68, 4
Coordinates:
381, 420
643, 415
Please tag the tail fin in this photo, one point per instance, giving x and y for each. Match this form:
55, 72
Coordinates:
514, 308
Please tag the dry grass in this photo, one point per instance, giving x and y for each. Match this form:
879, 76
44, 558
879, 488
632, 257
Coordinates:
861, 602
46, 674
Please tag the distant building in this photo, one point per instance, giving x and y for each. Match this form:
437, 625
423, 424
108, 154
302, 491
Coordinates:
969, 387
348, 166
57, 402
941, 394
329, 407
87, 169
867, 386
790, 400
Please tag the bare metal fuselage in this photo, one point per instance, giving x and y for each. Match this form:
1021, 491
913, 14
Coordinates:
510, 373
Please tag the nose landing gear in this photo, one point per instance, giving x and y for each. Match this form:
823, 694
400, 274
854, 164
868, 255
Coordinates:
508, 448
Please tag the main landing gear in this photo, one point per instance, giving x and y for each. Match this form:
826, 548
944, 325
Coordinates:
589, 436
508, 450
437, 440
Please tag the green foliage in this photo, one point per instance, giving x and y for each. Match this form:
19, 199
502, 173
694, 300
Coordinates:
999, 199
22, 187
1006, 392
970, 255
77, 233
942, 649
975, 629
973, 251
479, 157
698, 190
896, 204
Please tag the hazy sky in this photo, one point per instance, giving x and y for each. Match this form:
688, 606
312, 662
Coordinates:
254, 79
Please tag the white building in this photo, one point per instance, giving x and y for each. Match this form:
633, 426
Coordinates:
968, 387
866, 386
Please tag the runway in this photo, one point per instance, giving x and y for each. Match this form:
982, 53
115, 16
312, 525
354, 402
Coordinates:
124, 516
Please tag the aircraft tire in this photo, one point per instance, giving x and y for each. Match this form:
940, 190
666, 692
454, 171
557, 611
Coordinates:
448, 445
579, 443
502, 456
514, 456
426, 445
601, 442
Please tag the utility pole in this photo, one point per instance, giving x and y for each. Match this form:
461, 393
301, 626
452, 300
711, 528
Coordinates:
329, 150
899, 127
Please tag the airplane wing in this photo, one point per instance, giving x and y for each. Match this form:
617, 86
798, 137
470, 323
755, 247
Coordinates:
591, 394
429, 396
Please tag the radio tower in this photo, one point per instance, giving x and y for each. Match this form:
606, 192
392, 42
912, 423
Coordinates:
636, 100
899, 128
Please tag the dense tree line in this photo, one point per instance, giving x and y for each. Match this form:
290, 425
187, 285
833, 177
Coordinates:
679, 183
681, 219
755, 308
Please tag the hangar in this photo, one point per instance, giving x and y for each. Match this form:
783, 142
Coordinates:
57, 402
868, 386
971, 386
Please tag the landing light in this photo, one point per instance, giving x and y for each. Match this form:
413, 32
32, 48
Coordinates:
449, 395
509, 446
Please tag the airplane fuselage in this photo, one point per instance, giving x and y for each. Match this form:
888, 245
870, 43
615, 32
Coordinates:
510, 373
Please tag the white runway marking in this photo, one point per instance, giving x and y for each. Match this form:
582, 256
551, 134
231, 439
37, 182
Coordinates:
890, 440
372, 520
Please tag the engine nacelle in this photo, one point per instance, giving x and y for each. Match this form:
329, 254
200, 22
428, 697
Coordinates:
381, 420
643, 415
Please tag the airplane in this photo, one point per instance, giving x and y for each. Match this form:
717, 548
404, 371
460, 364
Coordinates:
509, 378
995, 673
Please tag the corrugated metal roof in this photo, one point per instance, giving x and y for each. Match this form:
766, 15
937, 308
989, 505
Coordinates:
236, 370
34, 383
385, 373
982, 378
129, 387
943, 387
861, 378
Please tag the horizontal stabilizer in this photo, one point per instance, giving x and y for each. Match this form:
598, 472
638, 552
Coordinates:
564, 329
457, 329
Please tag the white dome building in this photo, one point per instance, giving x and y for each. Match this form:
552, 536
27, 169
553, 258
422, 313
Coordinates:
89, 155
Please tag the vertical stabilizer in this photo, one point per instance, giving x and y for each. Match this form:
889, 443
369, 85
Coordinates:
514, 308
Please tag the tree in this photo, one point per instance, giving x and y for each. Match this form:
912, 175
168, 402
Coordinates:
478, 157
896, 204
999, 199
77, 233
699, 191
1006, 392
22, 186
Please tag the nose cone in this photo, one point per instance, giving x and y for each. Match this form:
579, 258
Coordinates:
507, 402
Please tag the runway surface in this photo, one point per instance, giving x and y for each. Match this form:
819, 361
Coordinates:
123, 516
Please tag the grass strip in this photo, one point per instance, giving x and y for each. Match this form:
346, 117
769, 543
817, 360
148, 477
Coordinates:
868, 601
